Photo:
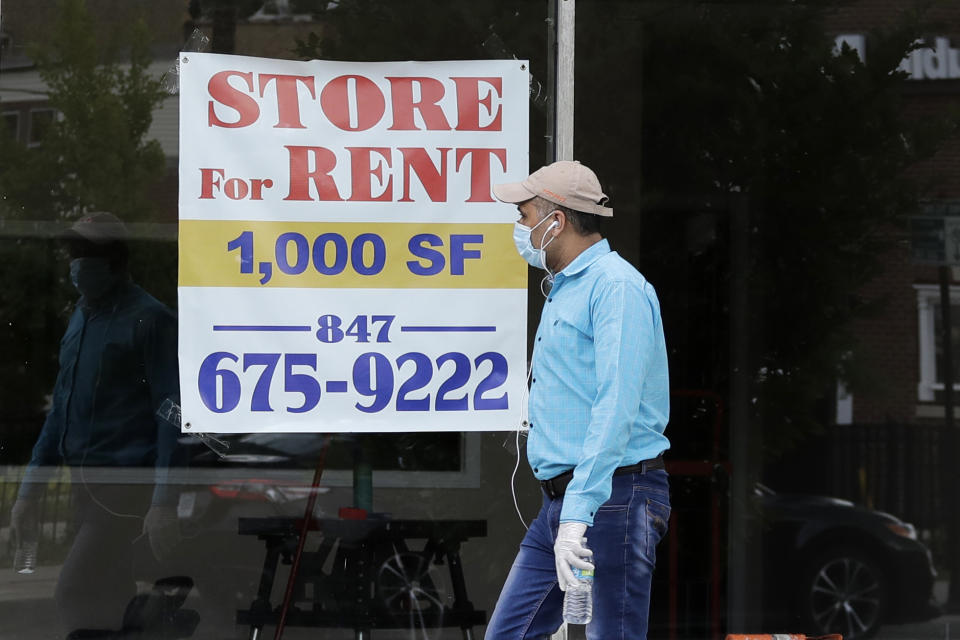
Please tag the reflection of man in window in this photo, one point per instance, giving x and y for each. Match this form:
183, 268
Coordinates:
599, 402
117, 365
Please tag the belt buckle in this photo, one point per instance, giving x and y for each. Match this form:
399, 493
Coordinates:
550, 489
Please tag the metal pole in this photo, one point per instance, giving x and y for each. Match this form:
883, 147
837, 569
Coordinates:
550, 134
302, 540
563, 109
949, 472
566, 33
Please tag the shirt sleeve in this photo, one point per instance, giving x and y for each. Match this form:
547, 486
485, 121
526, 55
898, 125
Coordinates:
623, 327
45, 457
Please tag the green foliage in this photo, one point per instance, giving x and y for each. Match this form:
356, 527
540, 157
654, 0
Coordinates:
376, 30
750, 106
716, 105
94, 157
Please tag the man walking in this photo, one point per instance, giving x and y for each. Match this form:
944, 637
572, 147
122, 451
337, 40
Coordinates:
599, 404
118, 363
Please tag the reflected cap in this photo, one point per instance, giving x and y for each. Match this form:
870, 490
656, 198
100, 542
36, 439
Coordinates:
99, 228
566, 183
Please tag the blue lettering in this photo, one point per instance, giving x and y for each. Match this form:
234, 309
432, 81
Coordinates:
418, 247
458, 253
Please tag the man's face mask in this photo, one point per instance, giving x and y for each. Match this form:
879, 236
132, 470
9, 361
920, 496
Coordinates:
534, 256
92, 276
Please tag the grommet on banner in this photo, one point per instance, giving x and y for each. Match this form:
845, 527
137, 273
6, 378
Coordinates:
170, 81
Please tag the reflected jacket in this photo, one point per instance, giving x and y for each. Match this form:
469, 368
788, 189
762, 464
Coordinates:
118, 363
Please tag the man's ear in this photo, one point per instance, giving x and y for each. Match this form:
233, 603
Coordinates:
557, 224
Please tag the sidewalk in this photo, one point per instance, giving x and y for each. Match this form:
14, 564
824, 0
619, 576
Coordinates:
15, 587
27, 610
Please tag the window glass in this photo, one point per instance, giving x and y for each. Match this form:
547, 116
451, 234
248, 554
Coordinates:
40, 121
11, 124
764, 161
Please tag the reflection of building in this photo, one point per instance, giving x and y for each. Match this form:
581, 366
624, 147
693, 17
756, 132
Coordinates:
23, 102
899, 346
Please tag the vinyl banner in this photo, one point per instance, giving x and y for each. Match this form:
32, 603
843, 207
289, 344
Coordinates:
343, 263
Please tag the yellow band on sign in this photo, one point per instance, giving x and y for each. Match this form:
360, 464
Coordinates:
238, 253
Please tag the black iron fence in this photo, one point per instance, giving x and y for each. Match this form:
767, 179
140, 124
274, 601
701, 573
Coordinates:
890, 467
54, 517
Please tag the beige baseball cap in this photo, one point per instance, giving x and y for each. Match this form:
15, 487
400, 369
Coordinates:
567, 183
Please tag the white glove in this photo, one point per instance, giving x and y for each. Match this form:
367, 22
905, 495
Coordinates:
162, 530
569, 551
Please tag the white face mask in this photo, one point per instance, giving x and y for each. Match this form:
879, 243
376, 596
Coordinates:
521, 238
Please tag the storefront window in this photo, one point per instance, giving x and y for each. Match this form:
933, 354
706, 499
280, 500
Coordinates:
764, 161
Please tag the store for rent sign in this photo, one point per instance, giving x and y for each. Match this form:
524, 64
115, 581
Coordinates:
343, 264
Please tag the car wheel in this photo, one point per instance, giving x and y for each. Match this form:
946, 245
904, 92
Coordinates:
844, 591
412, 594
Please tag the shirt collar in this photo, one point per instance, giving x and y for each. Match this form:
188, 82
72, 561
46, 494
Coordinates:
586, 258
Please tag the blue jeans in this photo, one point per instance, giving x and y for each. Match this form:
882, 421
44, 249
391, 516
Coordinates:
623, 538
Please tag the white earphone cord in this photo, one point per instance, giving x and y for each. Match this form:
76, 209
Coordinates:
523, 423
547, 279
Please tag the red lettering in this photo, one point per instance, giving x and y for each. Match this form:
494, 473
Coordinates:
361, 172
288, 99
257, 186
236, 189
434, 180
301, 175
335, 102
480, 171
208, 182
226, 94
431, 92
469, 102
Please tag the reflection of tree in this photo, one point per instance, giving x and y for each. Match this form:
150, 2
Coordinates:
737, 101
751, 104
93, 157
376, 30
424, 30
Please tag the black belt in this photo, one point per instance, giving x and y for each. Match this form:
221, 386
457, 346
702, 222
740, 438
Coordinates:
554, 487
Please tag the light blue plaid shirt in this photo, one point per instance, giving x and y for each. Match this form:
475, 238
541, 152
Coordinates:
599, 394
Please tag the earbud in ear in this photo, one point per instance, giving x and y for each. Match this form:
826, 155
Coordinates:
555, 223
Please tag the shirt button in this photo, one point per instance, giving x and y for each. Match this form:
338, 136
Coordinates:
536, 470
534, 379
539, 339
549, 299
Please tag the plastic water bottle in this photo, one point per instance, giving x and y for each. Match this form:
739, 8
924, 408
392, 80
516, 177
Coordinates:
25, 557
578, 598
